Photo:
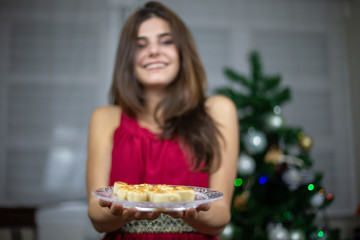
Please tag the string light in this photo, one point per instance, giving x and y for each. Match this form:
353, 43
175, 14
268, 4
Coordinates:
311, 187
321, 191
321, 234
238, 182
329, 196
262, 180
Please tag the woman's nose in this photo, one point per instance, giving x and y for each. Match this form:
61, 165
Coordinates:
154, 49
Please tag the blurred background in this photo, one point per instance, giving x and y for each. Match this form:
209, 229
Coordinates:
56, 63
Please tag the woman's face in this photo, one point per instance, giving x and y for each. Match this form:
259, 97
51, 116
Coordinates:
156, 58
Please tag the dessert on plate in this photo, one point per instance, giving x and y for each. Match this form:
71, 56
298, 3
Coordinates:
153, 193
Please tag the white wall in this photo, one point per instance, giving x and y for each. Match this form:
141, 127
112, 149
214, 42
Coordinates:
352, 21
353, 33
353, 39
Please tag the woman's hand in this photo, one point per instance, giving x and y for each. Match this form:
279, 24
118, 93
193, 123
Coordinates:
191, 213
128, 214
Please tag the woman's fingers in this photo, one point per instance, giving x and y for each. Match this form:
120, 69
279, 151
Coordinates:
179, 214
154, 215
118, 210
146, 215
104, 203
203, 207
129, 213
193, 212
190, 213
132, 214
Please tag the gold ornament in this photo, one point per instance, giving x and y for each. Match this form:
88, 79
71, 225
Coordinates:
274, 155
241, 200
305, 142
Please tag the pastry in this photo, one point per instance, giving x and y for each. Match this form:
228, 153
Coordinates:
186, 194
140, 194
160, 195
118, 184
122, 191
154, 193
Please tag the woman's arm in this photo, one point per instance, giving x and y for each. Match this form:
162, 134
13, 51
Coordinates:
101, 128
105, 216
212, 218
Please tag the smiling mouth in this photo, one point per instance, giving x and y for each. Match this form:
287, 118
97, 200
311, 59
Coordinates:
155, 66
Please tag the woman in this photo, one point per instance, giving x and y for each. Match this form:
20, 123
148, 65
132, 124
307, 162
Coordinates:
161, 129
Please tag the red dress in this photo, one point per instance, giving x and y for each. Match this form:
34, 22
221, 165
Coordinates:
139, 156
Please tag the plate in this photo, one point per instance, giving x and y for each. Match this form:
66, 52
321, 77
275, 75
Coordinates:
202, 196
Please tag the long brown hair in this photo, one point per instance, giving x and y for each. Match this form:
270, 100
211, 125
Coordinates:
183, 107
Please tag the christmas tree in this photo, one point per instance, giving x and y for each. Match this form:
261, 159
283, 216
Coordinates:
277, 195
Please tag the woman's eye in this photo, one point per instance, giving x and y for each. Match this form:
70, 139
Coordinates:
168, 42
141, 45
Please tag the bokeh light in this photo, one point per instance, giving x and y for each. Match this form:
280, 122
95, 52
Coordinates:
238, 182
262, 180
329, 196
311, 187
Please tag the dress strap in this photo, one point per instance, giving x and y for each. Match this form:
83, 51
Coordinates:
127, 121
123, 117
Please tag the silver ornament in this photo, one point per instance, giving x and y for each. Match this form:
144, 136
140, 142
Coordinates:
228, 232
277, 109
255, 141
317, 200
292, 177
246, 165
278, 233
273, 121
297, 234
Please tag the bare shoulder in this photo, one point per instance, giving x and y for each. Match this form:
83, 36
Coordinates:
220, 106
106, 111
106, 116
